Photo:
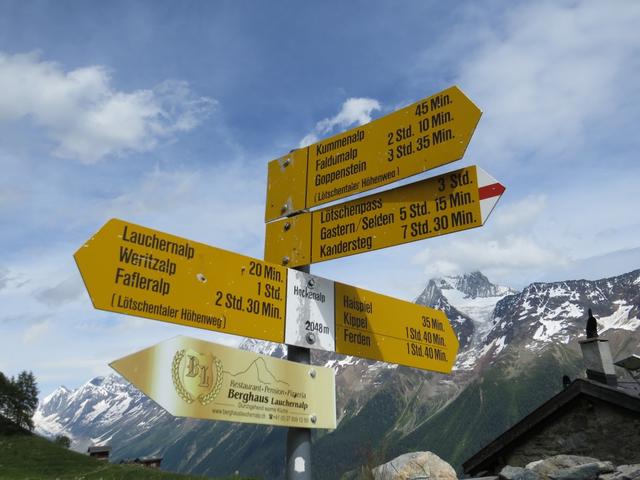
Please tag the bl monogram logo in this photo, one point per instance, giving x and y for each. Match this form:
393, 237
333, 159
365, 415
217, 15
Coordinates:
196, 376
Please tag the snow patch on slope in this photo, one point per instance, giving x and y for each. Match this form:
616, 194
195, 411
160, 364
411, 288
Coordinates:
566, 310
48, 426
479, 308
619, 319
337, 364
547, 329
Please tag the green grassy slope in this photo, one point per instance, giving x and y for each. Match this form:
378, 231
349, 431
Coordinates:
27, 456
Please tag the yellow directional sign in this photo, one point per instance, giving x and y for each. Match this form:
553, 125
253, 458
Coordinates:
198, 379
455, 201
427, 134
139, 271
354, 321
378, 327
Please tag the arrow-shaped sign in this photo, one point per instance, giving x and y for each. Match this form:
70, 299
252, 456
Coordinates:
425, 135
448, 203
198, 379
138, 271
353, 321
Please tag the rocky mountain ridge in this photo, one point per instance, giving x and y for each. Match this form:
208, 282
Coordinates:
468, 301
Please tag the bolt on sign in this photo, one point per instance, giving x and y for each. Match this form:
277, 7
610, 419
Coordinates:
425, 135
447, 203
198, 379
143, 272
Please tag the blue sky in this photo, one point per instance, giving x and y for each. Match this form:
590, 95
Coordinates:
167, 113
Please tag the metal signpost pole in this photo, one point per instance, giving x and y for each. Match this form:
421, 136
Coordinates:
299, 439
298, 454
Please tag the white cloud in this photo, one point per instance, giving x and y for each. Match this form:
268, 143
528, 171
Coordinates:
513, 241
505, 254
85, 116
4, 277
354, 111
64, 292
308, 139
220, 207
556, 83
35, 332
520, 214
548, 75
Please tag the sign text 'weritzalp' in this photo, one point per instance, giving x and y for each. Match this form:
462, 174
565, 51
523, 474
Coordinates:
138, 271
197, 379
422, 136
447, 203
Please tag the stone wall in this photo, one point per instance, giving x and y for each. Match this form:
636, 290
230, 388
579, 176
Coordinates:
590, 428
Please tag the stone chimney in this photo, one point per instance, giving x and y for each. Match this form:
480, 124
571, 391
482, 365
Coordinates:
598, 361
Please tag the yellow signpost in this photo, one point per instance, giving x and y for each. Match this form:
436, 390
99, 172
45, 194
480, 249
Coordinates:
378, 327
448, 203
198, 379
139, 271
427, 134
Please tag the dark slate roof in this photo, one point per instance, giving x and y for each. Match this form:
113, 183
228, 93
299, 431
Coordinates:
148, 459
580, 387
102, 449
142, 460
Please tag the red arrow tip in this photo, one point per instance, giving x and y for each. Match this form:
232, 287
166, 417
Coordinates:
493, 190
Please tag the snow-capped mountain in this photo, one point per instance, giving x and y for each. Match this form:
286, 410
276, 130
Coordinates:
495, 325
468, 301
96, 412
473, 294
546, 313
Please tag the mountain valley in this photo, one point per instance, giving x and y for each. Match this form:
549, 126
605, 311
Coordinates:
515, 346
